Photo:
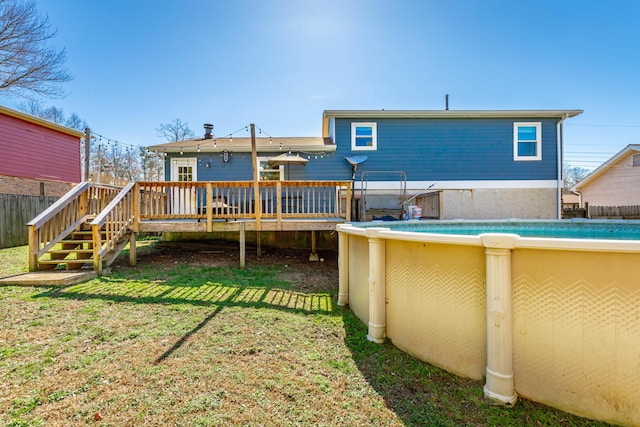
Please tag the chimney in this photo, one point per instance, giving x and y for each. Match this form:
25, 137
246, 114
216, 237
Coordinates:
208, 131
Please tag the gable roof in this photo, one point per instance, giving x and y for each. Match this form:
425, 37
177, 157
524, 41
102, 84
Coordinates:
40, 122
243, 145
429, 114
606, 165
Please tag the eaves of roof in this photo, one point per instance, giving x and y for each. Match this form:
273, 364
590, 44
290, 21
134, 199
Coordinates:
432, 114
605, 166
243, 145
41, 122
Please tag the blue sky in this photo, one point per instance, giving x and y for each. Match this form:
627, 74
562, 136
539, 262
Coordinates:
280, 63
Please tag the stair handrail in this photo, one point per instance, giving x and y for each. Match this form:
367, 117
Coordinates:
63, 216
42, 235
65, 200
118, 216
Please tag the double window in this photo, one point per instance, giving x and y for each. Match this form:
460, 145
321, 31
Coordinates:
527, 141
364, 136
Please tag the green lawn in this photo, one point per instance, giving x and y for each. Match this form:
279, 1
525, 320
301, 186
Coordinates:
188, 339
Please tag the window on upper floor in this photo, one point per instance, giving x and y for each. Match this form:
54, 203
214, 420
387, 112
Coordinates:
527, 141
364, 136
636, 160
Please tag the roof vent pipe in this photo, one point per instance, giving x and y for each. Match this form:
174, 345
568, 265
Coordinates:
446, 102
208, 131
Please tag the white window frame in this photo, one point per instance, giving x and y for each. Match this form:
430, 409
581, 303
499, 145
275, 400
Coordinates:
374, 134
184, 162
635, 160
538, 141
261, 160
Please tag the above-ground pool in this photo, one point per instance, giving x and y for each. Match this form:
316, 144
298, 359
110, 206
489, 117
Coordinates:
546, 310
563, 229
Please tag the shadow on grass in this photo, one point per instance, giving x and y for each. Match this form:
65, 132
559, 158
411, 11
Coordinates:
421, 394
217, 287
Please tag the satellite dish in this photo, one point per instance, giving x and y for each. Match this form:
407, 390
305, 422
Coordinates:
355, 160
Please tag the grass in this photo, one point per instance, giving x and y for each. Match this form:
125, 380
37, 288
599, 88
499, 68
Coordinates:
189, 343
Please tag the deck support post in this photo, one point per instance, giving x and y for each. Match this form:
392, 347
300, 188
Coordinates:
209, 202
34, 243
314, 253
258, 243
132, 249
343, 269
242, 246
377, 286
97, 246
499, 384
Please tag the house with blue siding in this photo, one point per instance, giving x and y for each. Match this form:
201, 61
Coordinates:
480, 164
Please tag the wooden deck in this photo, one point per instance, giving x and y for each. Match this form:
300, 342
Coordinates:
92, 223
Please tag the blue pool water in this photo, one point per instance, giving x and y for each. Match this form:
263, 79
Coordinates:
563, 229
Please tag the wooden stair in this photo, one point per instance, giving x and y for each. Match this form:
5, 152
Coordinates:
75, 251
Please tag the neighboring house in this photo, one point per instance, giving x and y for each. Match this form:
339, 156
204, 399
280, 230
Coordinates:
37, 157
570, 201
483, 164
615, 183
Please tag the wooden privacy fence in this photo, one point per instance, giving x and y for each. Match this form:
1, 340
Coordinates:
614, 212
15, 212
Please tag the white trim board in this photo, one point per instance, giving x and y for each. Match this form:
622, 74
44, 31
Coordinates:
458, 185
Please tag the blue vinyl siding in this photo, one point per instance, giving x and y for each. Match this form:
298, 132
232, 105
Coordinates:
239, 167
452, 149
426, 149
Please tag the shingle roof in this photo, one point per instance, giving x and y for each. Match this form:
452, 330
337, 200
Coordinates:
448, 113
275, 144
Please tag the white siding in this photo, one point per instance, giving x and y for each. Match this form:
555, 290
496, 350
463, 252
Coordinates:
619, 185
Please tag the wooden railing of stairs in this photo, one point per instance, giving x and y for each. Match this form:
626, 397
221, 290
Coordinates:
63, 236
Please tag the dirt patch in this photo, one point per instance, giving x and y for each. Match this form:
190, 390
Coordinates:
294, 264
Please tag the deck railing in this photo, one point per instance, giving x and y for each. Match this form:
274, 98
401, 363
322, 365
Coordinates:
115, 222
235, 200
64, 216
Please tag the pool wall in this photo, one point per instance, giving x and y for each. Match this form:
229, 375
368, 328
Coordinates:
555, 321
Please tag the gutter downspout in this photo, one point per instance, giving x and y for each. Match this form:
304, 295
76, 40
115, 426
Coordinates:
560, 138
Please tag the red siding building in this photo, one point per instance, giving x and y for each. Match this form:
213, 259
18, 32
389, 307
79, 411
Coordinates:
37, 157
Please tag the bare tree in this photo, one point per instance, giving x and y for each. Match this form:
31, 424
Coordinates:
53, 114
151, 165
28, 64
74, 121
176, 130
573, 175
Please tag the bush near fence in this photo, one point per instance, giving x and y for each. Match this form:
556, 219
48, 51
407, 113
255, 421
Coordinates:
15, 211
